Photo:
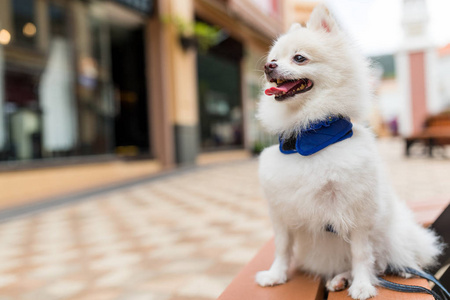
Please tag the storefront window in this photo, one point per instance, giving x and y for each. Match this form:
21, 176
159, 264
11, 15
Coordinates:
2, 104
58, 95
96, 98
219, 78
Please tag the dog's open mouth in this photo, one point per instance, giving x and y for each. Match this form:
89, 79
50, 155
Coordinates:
289, 88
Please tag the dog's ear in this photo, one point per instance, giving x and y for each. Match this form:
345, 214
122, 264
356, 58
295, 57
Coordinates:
321, 19
294, 26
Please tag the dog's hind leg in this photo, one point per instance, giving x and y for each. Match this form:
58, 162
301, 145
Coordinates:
339, 282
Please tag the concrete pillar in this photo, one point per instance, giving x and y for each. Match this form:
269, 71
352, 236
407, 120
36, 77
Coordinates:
184, 83
416, 69
159, 106
173, 86
418, 90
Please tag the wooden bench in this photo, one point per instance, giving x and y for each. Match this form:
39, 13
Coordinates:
436, 132
300, 286
304, 287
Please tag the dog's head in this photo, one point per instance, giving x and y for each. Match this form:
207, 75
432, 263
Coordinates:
312, 72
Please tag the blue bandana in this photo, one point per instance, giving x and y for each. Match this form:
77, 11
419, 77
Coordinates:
318, 136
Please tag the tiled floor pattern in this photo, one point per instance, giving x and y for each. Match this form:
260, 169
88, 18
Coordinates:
180, 238
417, 178
184, 237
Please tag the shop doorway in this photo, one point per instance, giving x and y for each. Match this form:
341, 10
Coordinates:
220, 103
129, 82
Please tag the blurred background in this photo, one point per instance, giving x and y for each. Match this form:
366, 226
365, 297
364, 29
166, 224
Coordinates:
97, 95
95, 80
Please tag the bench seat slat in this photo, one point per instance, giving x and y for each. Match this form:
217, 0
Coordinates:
244, 287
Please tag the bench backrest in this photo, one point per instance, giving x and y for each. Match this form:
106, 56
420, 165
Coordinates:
442, 227
439, 120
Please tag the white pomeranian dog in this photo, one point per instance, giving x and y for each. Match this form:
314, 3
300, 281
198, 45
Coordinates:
333, 212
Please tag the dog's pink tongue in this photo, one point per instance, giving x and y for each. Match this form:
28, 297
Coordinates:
278, 90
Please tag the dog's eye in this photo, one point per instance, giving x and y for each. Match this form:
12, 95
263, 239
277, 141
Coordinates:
300, 58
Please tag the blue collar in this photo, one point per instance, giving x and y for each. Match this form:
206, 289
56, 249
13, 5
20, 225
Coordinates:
318, 136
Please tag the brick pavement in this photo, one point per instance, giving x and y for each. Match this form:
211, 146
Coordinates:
418, 178
179, 238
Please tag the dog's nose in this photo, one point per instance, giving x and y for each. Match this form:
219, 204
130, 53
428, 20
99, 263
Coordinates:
269, 67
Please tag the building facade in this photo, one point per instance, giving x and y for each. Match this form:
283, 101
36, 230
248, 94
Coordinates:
105, 78
213, 103
417, 70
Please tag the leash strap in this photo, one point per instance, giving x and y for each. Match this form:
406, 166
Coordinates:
406, 288
416, 289
430, 278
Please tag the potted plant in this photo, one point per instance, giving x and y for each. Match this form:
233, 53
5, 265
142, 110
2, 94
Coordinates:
197, 35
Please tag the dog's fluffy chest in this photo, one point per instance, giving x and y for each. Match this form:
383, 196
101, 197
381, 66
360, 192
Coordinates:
327, 188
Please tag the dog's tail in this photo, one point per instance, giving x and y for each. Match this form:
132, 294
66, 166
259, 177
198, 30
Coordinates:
413, 245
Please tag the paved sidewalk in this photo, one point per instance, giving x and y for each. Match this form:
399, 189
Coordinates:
183, 237
27, 187
24, 187
417, 178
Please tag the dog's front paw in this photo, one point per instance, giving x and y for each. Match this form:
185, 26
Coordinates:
362, 291
339, 282
270, 278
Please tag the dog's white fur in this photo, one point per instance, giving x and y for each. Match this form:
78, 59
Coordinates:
343, 184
